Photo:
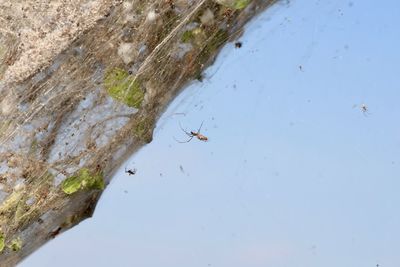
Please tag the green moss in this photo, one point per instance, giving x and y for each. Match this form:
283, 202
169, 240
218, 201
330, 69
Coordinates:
123, 87
15, 244
196, 37
83, 180
240, 4
235, 4
187, 36
2, 241
143, 129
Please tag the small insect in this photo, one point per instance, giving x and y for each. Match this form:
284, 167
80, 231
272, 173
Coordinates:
364, 109
238, 44
300, 67
193, 134
130, 171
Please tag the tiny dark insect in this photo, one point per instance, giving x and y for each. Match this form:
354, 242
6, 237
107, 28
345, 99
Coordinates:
300, 67
130, 171
55, 232
238, 45
364, 109
192, 134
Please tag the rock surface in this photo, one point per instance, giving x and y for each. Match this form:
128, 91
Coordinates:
82, 84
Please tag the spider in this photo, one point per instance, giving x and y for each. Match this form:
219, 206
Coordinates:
130, 172
238, 44
364, 109
193, 134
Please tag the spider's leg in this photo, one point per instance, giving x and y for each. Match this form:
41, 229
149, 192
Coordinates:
186, 132
201, 125
366, 113
182, 142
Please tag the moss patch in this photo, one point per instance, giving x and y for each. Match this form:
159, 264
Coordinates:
2, 241
15, 244
143, 129
83, 180
240, 4
187, 36
123, 87
235, 4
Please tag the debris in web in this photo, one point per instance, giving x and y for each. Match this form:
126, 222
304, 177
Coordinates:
70, 115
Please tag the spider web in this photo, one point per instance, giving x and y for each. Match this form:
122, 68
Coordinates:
94, 100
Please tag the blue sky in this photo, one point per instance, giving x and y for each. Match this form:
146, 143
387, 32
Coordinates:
294, 174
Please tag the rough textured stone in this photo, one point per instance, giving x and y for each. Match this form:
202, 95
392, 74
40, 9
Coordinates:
82, 84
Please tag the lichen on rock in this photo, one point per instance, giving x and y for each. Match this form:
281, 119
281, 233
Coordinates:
144, 128
83, 180
123, 87
187, 36
235, 4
